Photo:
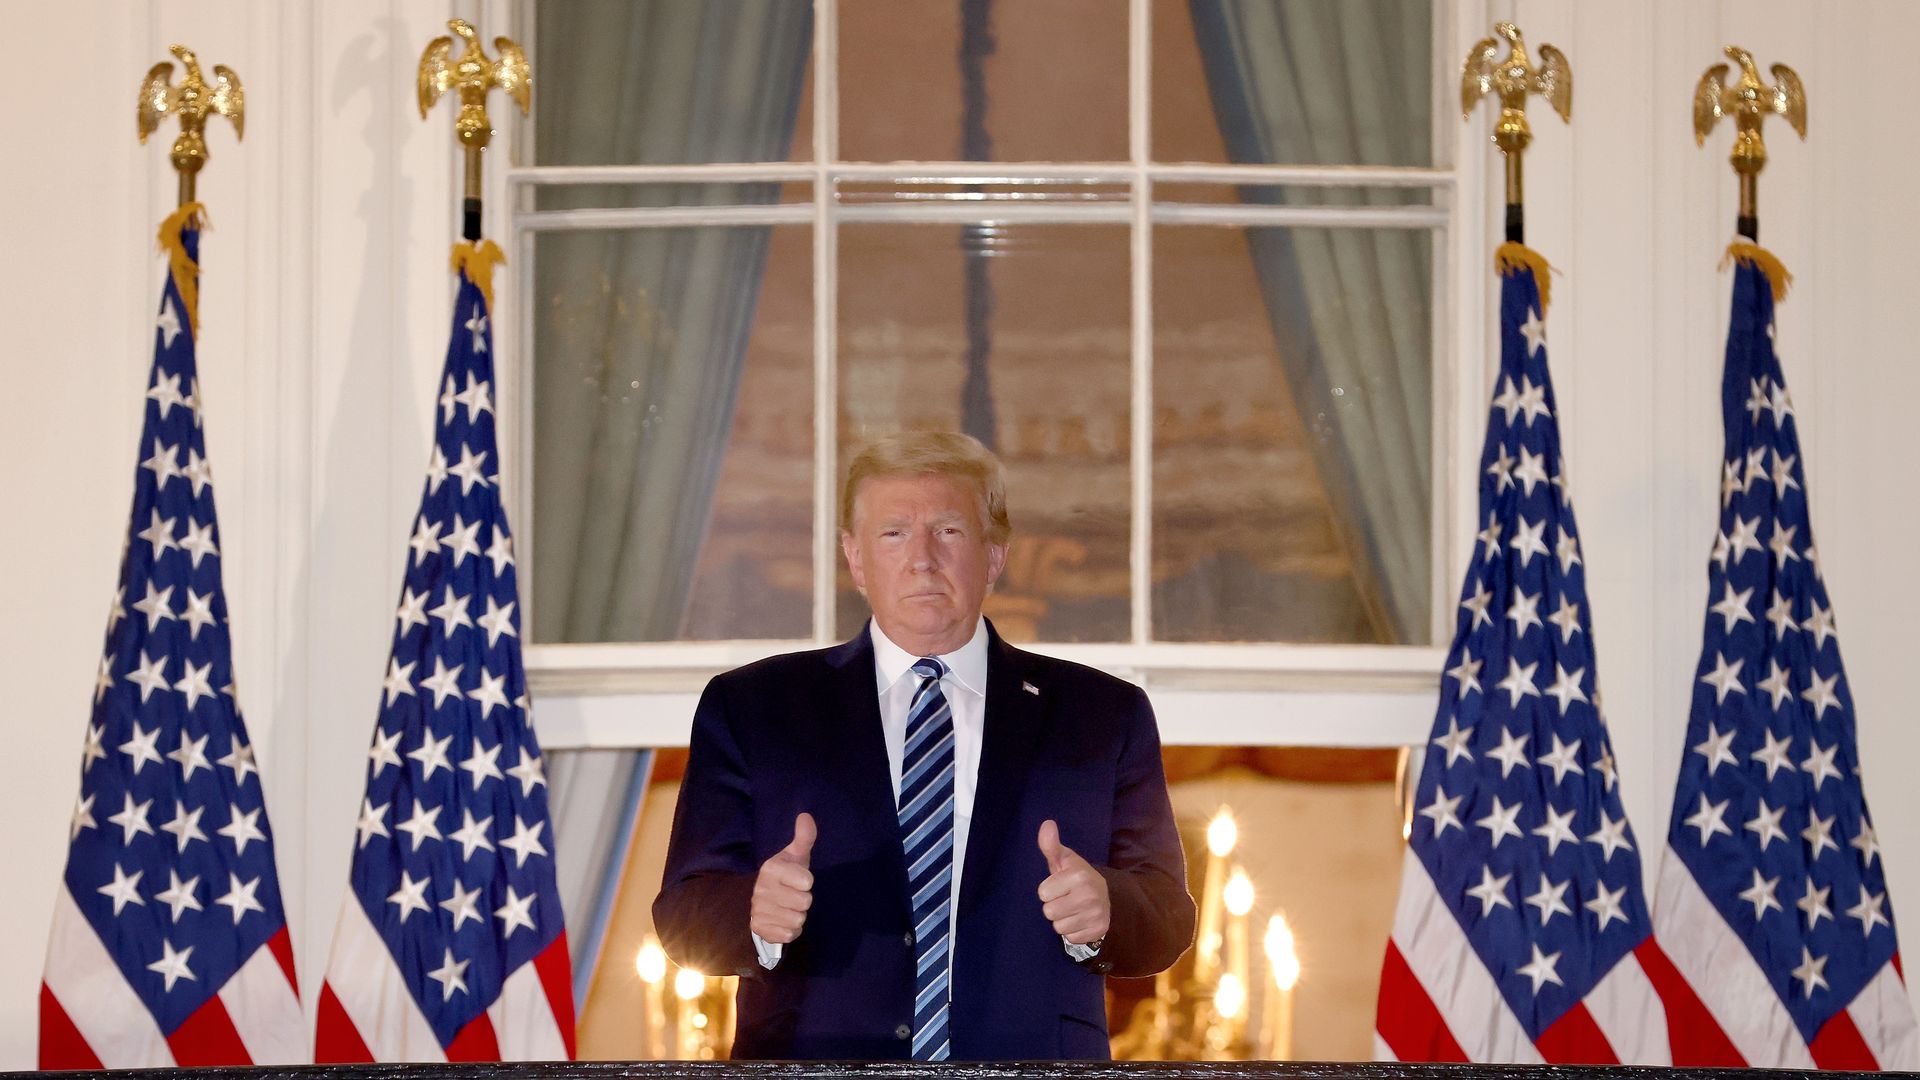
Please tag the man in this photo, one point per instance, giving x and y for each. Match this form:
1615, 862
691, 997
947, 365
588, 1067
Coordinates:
923, 843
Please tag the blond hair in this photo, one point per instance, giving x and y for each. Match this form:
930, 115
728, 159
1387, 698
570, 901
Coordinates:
933, 453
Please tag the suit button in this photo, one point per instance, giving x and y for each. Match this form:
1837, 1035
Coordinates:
903, 1032
907, 939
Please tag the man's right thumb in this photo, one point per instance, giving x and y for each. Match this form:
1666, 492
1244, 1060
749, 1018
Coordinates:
804, 833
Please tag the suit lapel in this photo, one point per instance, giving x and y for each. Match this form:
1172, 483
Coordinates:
862, 750
1012, 732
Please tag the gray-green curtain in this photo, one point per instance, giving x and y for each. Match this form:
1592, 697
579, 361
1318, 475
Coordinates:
1320, 82
640, 339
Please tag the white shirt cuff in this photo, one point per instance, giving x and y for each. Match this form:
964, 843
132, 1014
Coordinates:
768, 951
1078, 953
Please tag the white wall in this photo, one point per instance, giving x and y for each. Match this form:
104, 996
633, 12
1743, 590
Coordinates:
325, 317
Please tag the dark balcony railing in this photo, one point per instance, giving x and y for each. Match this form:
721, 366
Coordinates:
1031, 1070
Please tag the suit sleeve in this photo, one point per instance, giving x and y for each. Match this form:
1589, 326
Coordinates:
1146, 871
706, 892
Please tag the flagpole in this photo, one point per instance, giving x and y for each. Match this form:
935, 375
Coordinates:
1559, 924
191, 101
473, 75
1512, 78
223, 990
1749, 101
458, 697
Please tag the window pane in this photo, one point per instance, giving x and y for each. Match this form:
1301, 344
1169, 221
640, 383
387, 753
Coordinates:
1293, 82
672, 82
1022, 192
1019, 336
1185, 193
633, 196
1292, 434
940, 80
673, 434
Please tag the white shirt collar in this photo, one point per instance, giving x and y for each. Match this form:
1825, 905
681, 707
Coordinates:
967, 664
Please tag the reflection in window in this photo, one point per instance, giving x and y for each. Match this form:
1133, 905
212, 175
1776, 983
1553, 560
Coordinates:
664, 414
673, 494
672, 435
1046, 359
1293, 82
1292, 435
672, 82
979, 80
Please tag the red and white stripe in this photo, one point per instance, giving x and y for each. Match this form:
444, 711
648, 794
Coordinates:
91, 1019
1438, 1001
367, 1014
1876, 1031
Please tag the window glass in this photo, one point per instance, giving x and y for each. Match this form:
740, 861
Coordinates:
672, 82
1289, 483
673, 434
1018, 335
973, 80
1293, 82
1292, 435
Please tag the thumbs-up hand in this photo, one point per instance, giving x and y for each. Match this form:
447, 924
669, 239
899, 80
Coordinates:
783, 891
1074, 896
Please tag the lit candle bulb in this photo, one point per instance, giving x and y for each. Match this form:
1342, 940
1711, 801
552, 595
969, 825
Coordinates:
1239, 893
1284, 962
1280, 953
1222, 834
1239, 900
651, 964
688, 985
1230, 996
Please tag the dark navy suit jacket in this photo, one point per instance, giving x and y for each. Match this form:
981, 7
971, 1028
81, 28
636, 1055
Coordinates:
801, 732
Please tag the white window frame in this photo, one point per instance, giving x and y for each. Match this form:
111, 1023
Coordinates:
1278, 694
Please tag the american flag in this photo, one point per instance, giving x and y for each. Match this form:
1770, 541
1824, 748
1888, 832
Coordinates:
169, 943
1522, 932
451, 945
1773, 895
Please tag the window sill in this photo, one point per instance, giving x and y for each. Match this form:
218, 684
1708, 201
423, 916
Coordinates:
630, 696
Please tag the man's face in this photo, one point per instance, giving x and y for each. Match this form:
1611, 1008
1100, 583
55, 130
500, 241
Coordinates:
919, 551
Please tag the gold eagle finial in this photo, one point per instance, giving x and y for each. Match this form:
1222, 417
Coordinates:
1749, 101
192, 100
1512, 78
473, 75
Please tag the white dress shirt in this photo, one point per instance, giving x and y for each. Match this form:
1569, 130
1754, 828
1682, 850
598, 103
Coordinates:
965, 687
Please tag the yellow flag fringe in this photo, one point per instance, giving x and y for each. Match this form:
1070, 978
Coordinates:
1510, 257
1763, 260
186, 272
477, 261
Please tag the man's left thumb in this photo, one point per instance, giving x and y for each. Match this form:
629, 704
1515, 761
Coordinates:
1055, 852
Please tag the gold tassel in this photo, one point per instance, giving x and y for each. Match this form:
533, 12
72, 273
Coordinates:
477, 262
1510, 257
186, 273
1763, 260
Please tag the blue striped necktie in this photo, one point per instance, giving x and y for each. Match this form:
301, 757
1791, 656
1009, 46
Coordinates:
926, 824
